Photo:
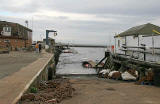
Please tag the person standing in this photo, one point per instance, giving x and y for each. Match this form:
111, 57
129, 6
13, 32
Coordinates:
37, 47
40, 47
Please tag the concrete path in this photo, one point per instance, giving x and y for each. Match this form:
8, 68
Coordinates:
14, 61
13, 86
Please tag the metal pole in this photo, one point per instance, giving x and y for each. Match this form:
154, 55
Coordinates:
153, 47
47, 32
115, 45
144, 53
125, 44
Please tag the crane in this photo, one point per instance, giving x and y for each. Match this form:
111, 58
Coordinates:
47, 33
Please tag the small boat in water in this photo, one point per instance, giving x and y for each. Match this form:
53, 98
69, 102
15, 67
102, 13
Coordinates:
90, 64
67, 51
70, 51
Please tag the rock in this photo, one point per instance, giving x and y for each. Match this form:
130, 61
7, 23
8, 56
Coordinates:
29, 96
133, 72
52, 101
104, 71
114, 75
127, 76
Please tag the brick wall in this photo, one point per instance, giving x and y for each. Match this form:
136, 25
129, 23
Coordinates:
14, 43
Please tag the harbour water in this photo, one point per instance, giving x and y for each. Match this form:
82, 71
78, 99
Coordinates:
71, 63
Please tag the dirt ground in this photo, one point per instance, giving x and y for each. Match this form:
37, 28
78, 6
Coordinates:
14, 61
100, 91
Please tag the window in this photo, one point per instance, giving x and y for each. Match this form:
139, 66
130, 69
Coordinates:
7, 29
118, 43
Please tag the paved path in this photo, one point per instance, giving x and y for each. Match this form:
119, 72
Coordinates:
97, 91
13, 62
14, 85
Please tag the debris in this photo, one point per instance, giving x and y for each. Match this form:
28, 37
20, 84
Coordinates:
114, 75
29, 96
52, 101
49, 92
133, 72
104, 73
127, 76
147, 79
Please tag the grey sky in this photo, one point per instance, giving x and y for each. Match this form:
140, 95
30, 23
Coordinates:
81, 21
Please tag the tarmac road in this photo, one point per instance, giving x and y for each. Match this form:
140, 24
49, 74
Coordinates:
14, 61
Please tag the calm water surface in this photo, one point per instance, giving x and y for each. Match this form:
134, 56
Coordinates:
71, 63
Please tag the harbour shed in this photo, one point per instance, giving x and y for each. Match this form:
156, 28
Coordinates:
14, 35
140, 42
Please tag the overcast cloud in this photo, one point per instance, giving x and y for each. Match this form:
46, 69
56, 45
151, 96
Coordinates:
81, 21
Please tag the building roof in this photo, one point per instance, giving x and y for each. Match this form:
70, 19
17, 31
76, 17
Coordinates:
145, 29
2, 22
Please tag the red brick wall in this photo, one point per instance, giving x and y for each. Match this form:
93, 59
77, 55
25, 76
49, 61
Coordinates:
19, 43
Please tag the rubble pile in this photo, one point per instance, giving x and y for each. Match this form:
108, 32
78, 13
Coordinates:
50, 92
127, 75
148, 78
114, 75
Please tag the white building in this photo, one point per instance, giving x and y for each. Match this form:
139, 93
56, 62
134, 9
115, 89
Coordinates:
140, 42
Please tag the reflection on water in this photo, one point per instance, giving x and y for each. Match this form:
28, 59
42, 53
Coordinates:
71, 63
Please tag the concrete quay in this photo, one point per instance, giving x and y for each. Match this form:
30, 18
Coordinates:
15, 60
13, 86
